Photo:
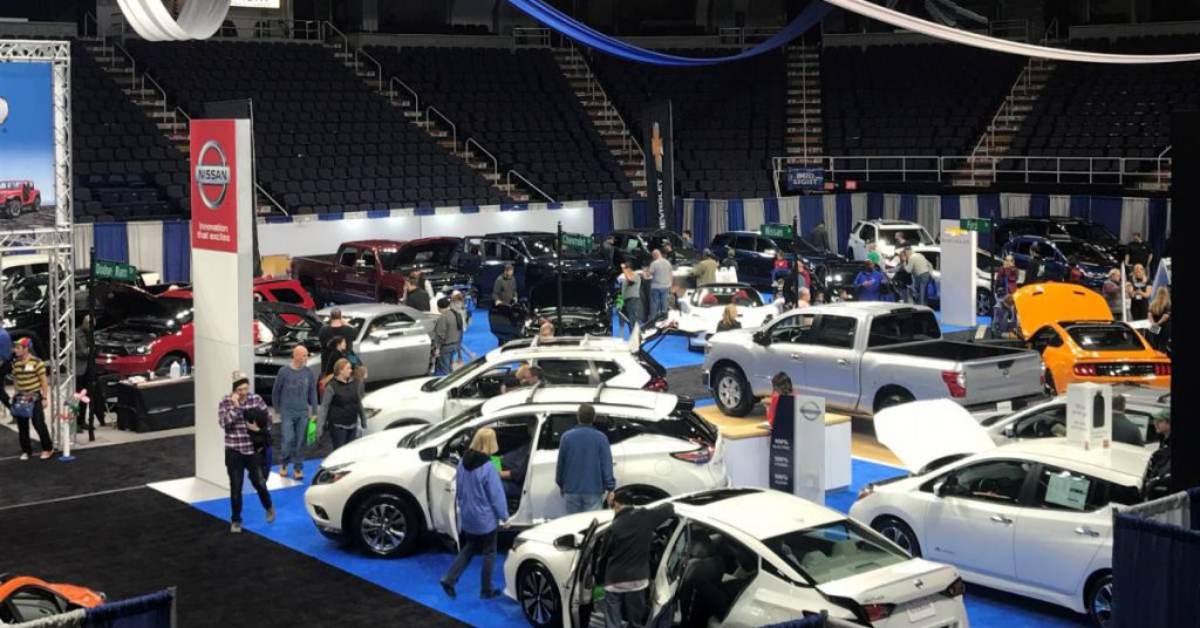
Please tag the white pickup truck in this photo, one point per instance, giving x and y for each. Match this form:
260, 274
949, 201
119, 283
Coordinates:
863, 357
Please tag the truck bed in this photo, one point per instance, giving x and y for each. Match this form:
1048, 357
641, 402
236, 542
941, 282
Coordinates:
950, 350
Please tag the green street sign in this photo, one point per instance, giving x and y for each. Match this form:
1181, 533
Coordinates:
577, 242
778, 231
114, 271
979, 225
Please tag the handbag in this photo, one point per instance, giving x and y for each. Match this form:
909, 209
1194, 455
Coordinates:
23, 405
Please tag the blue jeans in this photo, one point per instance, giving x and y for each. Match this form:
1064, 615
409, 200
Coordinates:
342, 435
621, 609
921, 288
583, 502
658, 303
445, 359
469, 546
295, 426
633, 311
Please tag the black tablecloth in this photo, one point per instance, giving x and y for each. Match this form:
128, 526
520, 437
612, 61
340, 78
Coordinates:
159, 404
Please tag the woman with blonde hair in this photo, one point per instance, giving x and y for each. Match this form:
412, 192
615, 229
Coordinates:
341, 409
482, 508
1139, 306
729, 319
1160, 319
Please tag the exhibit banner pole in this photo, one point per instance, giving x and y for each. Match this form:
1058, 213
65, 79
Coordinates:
222, 198
558, 243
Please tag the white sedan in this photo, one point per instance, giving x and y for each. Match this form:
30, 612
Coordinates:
587, 361
738, 557
700, 310
1032, 518
382, 492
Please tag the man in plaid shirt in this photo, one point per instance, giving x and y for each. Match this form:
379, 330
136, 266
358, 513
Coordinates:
240, 455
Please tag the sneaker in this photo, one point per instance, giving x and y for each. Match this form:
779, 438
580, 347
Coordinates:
449, 589
270, 515
235, 528
298, 474
24, 456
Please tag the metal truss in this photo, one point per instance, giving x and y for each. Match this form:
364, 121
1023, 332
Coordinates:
55, 242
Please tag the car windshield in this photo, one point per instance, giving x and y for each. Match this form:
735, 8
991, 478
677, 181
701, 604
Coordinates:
1081, 251
434, 254
1089, 231
464, 373
802, 247
720, 296
834, 551
912, 235
430, 434
1105, 337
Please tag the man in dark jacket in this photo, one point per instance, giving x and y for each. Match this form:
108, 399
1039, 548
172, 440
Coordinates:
337, 328
417, 297
584, 472
627, 549
504, 290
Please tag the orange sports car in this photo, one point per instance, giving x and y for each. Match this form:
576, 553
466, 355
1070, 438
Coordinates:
25, 598
1073, 328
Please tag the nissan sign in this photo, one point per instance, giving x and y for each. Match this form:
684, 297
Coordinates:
212, 174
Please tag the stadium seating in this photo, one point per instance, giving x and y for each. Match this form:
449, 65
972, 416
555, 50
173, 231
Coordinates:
1091, 110
519, 106
910, 99
728, 118
124, 167
324, 142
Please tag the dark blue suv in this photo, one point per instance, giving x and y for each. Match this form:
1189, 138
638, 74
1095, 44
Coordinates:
755, 254
1057, 254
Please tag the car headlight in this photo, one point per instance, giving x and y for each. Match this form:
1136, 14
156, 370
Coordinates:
8, 323
332, 474
372, 412
138, 349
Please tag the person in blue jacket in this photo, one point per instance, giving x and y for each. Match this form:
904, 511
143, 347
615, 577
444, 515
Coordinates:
869, 283
584, 473
481, 508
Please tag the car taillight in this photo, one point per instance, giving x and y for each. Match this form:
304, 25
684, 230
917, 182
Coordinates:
956, 383
956, 588
1085, 370
876, 612
1162, 368
657, 384
696, 456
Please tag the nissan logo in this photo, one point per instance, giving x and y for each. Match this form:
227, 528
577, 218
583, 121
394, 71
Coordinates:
810, 410
212, 174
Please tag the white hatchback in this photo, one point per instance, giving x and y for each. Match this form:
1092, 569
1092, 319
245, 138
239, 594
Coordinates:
1032, 518
738, 557
586, 361
382, 492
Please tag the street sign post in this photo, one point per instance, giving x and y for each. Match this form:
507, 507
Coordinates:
114, 271
777, 231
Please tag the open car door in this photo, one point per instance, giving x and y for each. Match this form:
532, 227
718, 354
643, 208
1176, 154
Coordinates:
664, 591
581, 592
441, 488
925, 432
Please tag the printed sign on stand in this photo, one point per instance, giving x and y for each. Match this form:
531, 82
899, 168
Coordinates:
214, 185
797, 449
1089, 415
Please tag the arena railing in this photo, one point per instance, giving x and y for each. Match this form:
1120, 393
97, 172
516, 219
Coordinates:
529, 184
950, 169
394, 82
441, 116
745, 36
495, 162
530, 37
361, 56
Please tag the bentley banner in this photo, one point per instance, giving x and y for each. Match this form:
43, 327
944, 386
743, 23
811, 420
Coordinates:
660, 163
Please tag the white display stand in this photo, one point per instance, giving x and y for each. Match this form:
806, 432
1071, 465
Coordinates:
957, 288
222, 277
1089, 415
746, 455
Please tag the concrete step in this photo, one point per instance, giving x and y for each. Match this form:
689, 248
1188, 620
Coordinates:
796, 92
151, 104
159, 113
343, 55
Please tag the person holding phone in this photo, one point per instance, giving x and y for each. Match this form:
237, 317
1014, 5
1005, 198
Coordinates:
241, 456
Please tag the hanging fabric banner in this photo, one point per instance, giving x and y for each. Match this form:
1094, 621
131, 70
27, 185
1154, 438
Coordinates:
660, 163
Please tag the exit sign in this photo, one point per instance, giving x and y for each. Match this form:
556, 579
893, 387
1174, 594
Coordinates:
979, 225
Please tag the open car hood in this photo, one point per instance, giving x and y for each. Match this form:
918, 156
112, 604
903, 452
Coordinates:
576, 294
921, 432
1045, 303
121, 301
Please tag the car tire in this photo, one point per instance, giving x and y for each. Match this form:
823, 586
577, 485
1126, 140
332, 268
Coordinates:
732, 392
983, 302
37, 203
1099, 599
12, 209
893, 397
386, 525
899, 533
537, 593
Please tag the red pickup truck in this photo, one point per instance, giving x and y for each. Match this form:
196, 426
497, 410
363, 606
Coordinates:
18, 196
376, 270
157, 330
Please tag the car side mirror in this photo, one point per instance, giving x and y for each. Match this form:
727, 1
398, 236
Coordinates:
1010, 431
762, 338
566, 542
429, 454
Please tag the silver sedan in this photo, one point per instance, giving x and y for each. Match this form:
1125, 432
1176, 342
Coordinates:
393, 342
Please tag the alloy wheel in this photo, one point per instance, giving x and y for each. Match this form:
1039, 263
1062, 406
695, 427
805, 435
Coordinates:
538, 598
730, 391
1102, 604
893, 533
384, 528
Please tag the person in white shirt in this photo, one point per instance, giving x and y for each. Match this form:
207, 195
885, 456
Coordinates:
921, 272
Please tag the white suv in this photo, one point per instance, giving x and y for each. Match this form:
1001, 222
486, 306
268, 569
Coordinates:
385, 490
586, 361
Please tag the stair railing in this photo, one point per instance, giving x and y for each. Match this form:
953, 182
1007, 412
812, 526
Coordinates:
495, 162
529, 184
449, 123
394, 82
360, 56
328, 29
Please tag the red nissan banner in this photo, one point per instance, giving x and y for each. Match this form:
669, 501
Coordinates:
214, 185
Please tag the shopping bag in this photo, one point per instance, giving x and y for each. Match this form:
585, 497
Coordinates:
311, 432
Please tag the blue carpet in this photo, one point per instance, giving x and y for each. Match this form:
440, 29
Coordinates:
417, 577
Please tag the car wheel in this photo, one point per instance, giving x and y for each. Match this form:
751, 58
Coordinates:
899, 533
12, 209
733, 393
538, 595
893, 398
1100, 600
386, 525
983, 302
37, 203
